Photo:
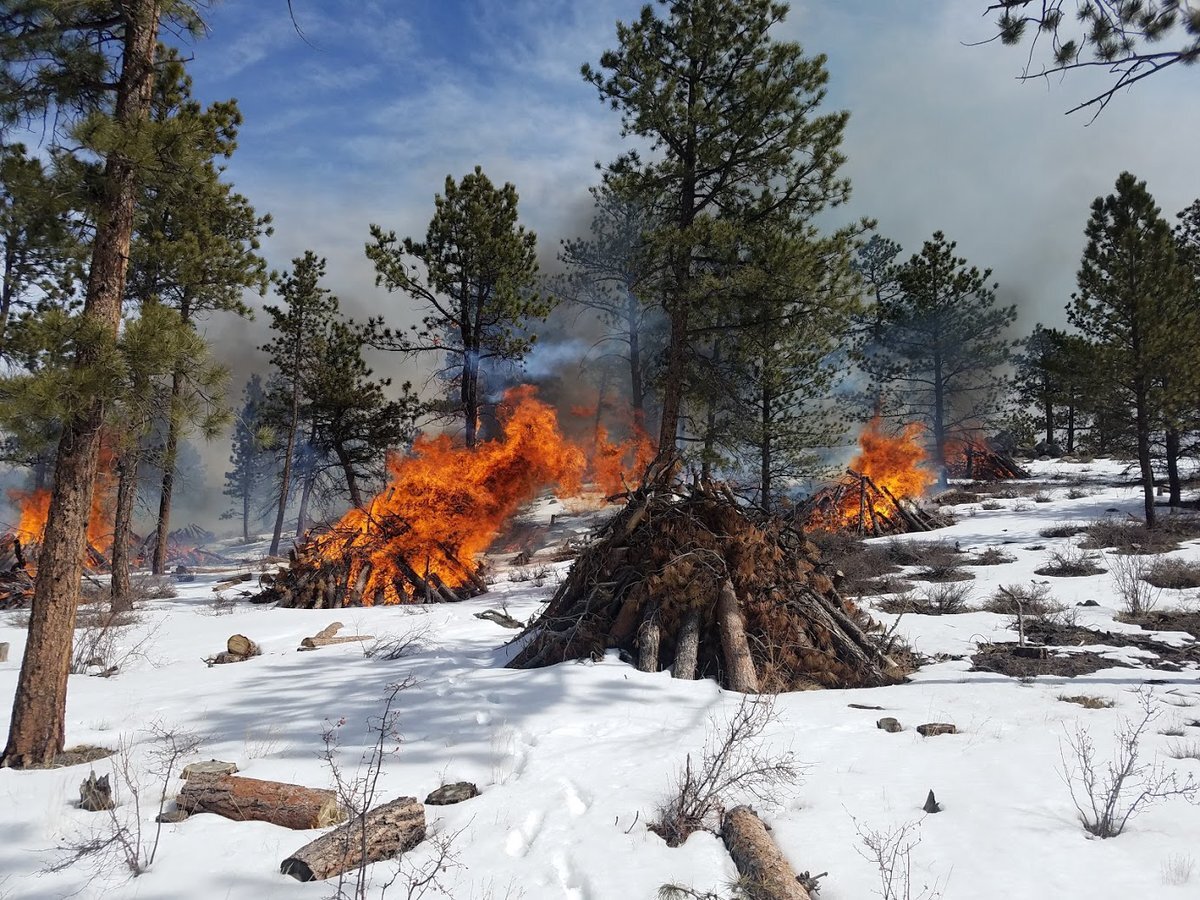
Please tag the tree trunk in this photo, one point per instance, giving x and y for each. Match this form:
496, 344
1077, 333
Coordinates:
306, 490
1173, 480
1071, 428
120, 590
253, 800
939, 424
757, 857
764, 475
739, 664
38, 725
649, 639
687, 647
382, 833
636, 390
470, 396
1049, 414
286, 478
1142, 424
170, 457
351, 476
246, 514
673, 379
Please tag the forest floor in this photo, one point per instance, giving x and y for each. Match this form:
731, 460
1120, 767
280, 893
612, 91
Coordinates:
573, 761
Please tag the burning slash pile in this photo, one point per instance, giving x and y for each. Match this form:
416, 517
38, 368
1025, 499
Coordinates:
417, 541
691, 582
875, 496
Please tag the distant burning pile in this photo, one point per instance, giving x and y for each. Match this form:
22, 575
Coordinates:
876, 493
974, 457
417, 541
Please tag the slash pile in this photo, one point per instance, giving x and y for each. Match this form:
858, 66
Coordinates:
691, 581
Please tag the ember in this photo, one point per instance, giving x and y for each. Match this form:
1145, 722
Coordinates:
418, 539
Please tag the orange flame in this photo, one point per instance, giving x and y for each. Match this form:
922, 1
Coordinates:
616, 465
34, 508
893, 461
445, 504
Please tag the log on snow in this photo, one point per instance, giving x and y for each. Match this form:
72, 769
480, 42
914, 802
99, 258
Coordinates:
649, 638
758, 858
314, 643
734, 645
240, 645
255, 800
383, 832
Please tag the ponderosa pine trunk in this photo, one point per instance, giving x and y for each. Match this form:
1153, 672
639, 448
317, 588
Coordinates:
343, 457
939, 423
1175, 485
170, 457
38, 726
1145, 465
636, 390
286, 477
470, 397
764, 475
121, 589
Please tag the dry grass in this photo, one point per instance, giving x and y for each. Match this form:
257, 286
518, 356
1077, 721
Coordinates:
1063, 530
1184, 750
1070, 562
1174, 574
992, 556
1129, 537
991, 504
1034, 600
1087, 701
936, 600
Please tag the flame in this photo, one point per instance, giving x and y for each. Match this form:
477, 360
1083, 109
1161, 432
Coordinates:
615, 465
893, 461
444, 504
34, 508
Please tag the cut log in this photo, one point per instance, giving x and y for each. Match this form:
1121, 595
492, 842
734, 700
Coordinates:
734, 646
254, 800
688, 648
329, 630
314, 643
240, 645
757, 857
383, 833
3, 651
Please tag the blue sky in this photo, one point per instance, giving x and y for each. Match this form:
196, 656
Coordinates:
363, 123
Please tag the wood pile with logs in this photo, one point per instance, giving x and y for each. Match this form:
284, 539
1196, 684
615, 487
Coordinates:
688, 580
979, 461
858, 504
326, 573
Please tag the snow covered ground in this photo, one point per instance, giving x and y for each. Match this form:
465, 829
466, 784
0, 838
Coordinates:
573, 760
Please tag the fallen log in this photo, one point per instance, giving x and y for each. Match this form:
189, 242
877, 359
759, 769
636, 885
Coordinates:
240, 645
254, 800
379, 834
315, 643
757, 857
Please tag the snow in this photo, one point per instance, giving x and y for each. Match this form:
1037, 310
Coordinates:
573, 760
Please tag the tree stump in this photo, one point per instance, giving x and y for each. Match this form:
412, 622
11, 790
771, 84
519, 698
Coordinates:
757, 857
240, 645
253, 800
95, 794
383, 832
742, 676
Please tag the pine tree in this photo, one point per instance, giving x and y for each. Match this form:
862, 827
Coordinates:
875, 264
730, 113
299, 324
1041, 376
945, 344
250, 460
89, 67
196, 243
1132, 304
475, 275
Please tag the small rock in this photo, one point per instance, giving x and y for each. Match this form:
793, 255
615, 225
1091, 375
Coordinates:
931, 729
452, 793
208, 767
95, 793
887, 723
862, 706
1088, 603
931, 804
172, 816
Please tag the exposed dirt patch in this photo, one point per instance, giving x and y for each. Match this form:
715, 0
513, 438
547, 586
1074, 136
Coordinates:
1002, 659
1188, 622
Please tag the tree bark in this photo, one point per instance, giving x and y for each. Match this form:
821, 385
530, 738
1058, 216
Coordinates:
253, 800
758, 858
382, 833
687, 648
735, 647
649, 639
37, 729
939, 423
1173, 480
764, 475
1145, 466
636, 390
351, 476
286, 477
170, 457
120, 589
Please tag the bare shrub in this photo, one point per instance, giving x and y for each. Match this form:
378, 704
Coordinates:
152, 587
109, 643
1063, 530
1127, 537
1078, 493
1173, 574
940, 571
1177, 869
888, 584
1184, 750
992, 556
1087, 701
932, 554
1108, 795
1129, 577
1041, 497
991, 505
124, 841
1069, 562
390, 647
891, 853
734, 764
1027, 599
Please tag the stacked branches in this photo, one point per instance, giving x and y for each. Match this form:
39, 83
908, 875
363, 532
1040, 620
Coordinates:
692, 583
